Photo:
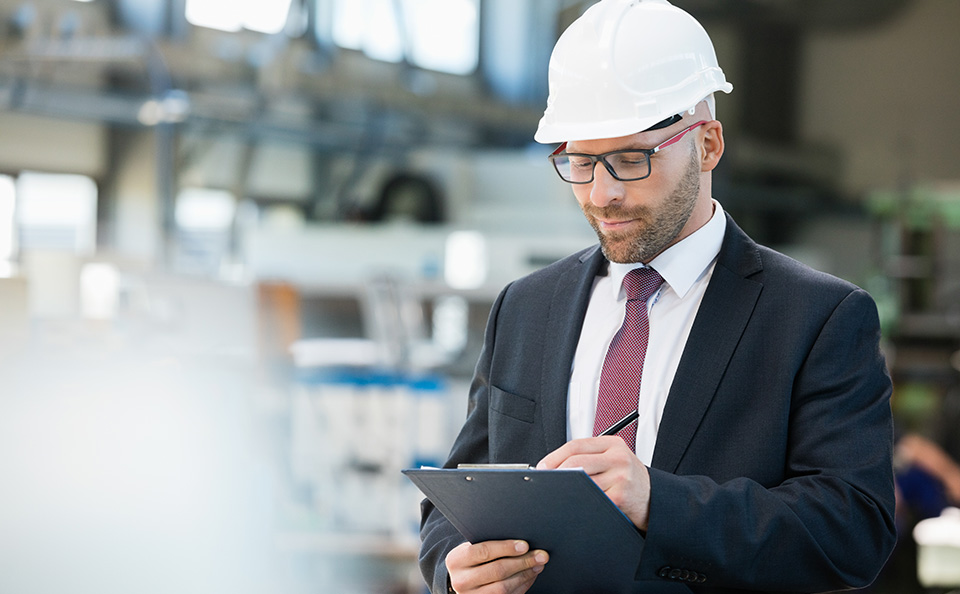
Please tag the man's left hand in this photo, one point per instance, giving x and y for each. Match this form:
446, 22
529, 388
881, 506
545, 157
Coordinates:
614, 468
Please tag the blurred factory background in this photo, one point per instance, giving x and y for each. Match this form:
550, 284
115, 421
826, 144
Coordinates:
247, 250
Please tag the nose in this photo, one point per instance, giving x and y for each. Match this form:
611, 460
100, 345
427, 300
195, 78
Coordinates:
605, 188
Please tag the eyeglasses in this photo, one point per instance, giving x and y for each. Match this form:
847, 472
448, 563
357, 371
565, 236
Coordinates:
623, 165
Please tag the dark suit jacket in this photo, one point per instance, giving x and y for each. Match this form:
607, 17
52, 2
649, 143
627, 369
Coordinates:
772, 469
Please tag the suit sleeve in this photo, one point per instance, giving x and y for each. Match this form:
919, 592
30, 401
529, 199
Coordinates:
829, 524
438, 537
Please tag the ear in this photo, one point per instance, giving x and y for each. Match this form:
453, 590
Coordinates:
711, 145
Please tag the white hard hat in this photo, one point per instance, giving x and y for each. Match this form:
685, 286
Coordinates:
624, 66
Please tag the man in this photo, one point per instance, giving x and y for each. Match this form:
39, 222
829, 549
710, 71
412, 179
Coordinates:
761, 459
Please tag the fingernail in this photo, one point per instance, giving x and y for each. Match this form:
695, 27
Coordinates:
537, 568
520, 546
540, 558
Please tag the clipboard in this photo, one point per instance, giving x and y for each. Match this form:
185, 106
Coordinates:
593, 546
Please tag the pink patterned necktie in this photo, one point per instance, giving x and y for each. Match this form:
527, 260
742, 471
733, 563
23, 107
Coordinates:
623, 365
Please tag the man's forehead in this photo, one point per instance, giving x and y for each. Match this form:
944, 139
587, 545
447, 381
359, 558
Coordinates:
644, 139
604, 145
639, 140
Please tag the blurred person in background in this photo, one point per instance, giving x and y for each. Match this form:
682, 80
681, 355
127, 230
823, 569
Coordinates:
927, 481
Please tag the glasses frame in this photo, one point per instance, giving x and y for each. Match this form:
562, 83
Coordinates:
602, 158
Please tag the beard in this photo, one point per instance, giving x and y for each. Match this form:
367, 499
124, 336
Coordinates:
660, 225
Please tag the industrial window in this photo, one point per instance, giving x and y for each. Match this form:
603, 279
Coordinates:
442, 35
264, 16
8, 238
201, 209
204, 219
56, 212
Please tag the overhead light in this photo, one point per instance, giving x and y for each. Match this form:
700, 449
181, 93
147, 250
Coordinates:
265, 17
214, 14
205, 209
441, 35
231, 15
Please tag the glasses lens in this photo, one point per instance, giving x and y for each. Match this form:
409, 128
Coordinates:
573, 168
629, 165
579, 169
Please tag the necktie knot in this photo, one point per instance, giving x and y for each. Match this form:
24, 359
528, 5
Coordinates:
641, 283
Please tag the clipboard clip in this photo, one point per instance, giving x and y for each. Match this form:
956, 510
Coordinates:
495, 467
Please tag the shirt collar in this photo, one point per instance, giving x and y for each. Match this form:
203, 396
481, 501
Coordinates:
683, 263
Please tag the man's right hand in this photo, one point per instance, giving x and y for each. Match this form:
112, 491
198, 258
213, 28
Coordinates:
494, 567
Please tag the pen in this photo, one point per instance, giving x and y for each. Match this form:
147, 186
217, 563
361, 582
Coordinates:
613, 429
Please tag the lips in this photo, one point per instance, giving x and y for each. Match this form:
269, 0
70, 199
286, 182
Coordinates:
611, 221
614, 225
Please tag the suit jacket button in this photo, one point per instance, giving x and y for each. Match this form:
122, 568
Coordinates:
675, 574
664, 571
685, 575
701, 578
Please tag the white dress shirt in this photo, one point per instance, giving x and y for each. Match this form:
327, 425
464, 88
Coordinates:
686, 268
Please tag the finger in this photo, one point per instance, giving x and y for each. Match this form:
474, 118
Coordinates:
619, 458
593, 455
517, 584
555, 458
592, 464
471, 555
507, 574
523, 581
588, 445
509, 569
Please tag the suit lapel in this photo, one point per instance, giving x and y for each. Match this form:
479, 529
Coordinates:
723, 315
568, 306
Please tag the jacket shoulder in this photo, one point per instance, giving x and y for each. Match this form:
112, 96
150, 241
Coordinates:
551, 273
780, 268
744, 257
